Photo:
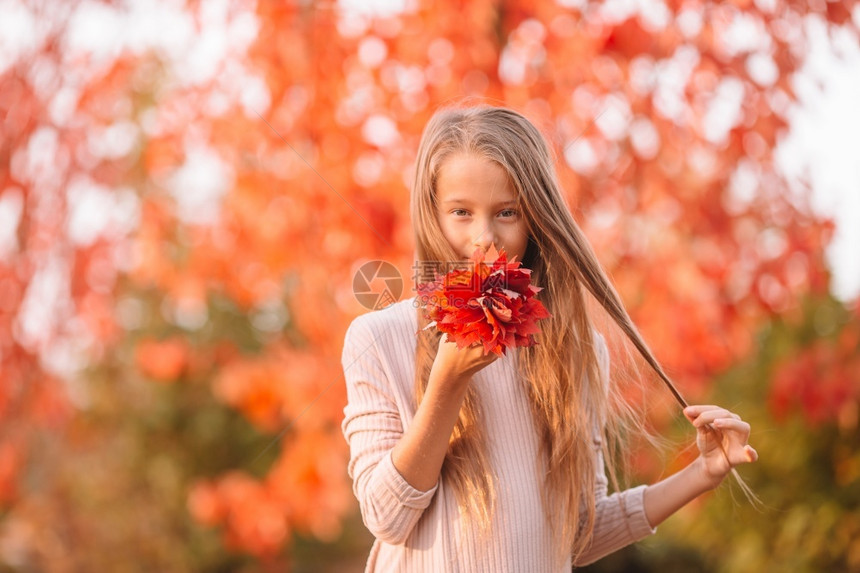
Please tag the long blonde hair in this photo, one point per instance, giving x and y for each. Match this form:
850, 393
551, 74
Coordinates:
566, 386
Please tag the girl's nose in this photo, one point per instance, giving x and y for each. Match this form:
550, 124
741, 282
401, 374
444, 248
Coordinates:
484, 237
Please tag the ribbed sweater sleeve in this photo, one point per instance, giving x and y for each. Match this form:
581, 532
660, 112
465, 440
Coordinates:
390, 507
619, 519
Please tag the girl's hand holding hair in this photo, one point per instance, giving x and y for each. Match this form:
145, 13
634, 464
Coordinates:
722, 440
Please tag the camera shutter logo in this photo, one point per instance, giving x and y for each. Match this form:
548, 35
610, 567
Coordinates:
384, 292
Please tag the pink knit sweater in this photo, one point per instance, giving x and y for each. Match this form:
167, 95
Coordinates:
422, 530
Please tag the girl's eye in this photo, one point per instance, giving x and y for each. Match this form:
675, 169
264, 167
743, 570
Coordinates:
507, 213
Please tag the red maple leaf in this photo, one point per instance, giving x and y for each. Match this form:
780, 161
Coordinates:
491, 304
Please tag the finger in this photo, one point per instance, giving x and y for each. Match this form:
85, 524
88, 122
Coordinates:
693, 412
709, 416
728, 422
732, 424
744, 455
752, 455
696, 410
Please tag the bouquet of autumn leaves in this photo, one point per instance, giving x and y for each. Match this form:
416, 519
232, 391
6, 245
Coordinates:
492, 304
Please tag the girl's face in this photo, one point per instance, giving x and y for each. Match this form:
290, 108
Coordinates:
477, 206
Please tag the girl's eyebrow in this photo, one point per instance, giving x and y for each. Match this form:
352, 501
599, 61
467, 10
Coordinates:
467, 202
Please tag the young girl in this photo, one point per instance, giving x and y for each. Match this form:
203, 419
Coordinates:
469, 462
